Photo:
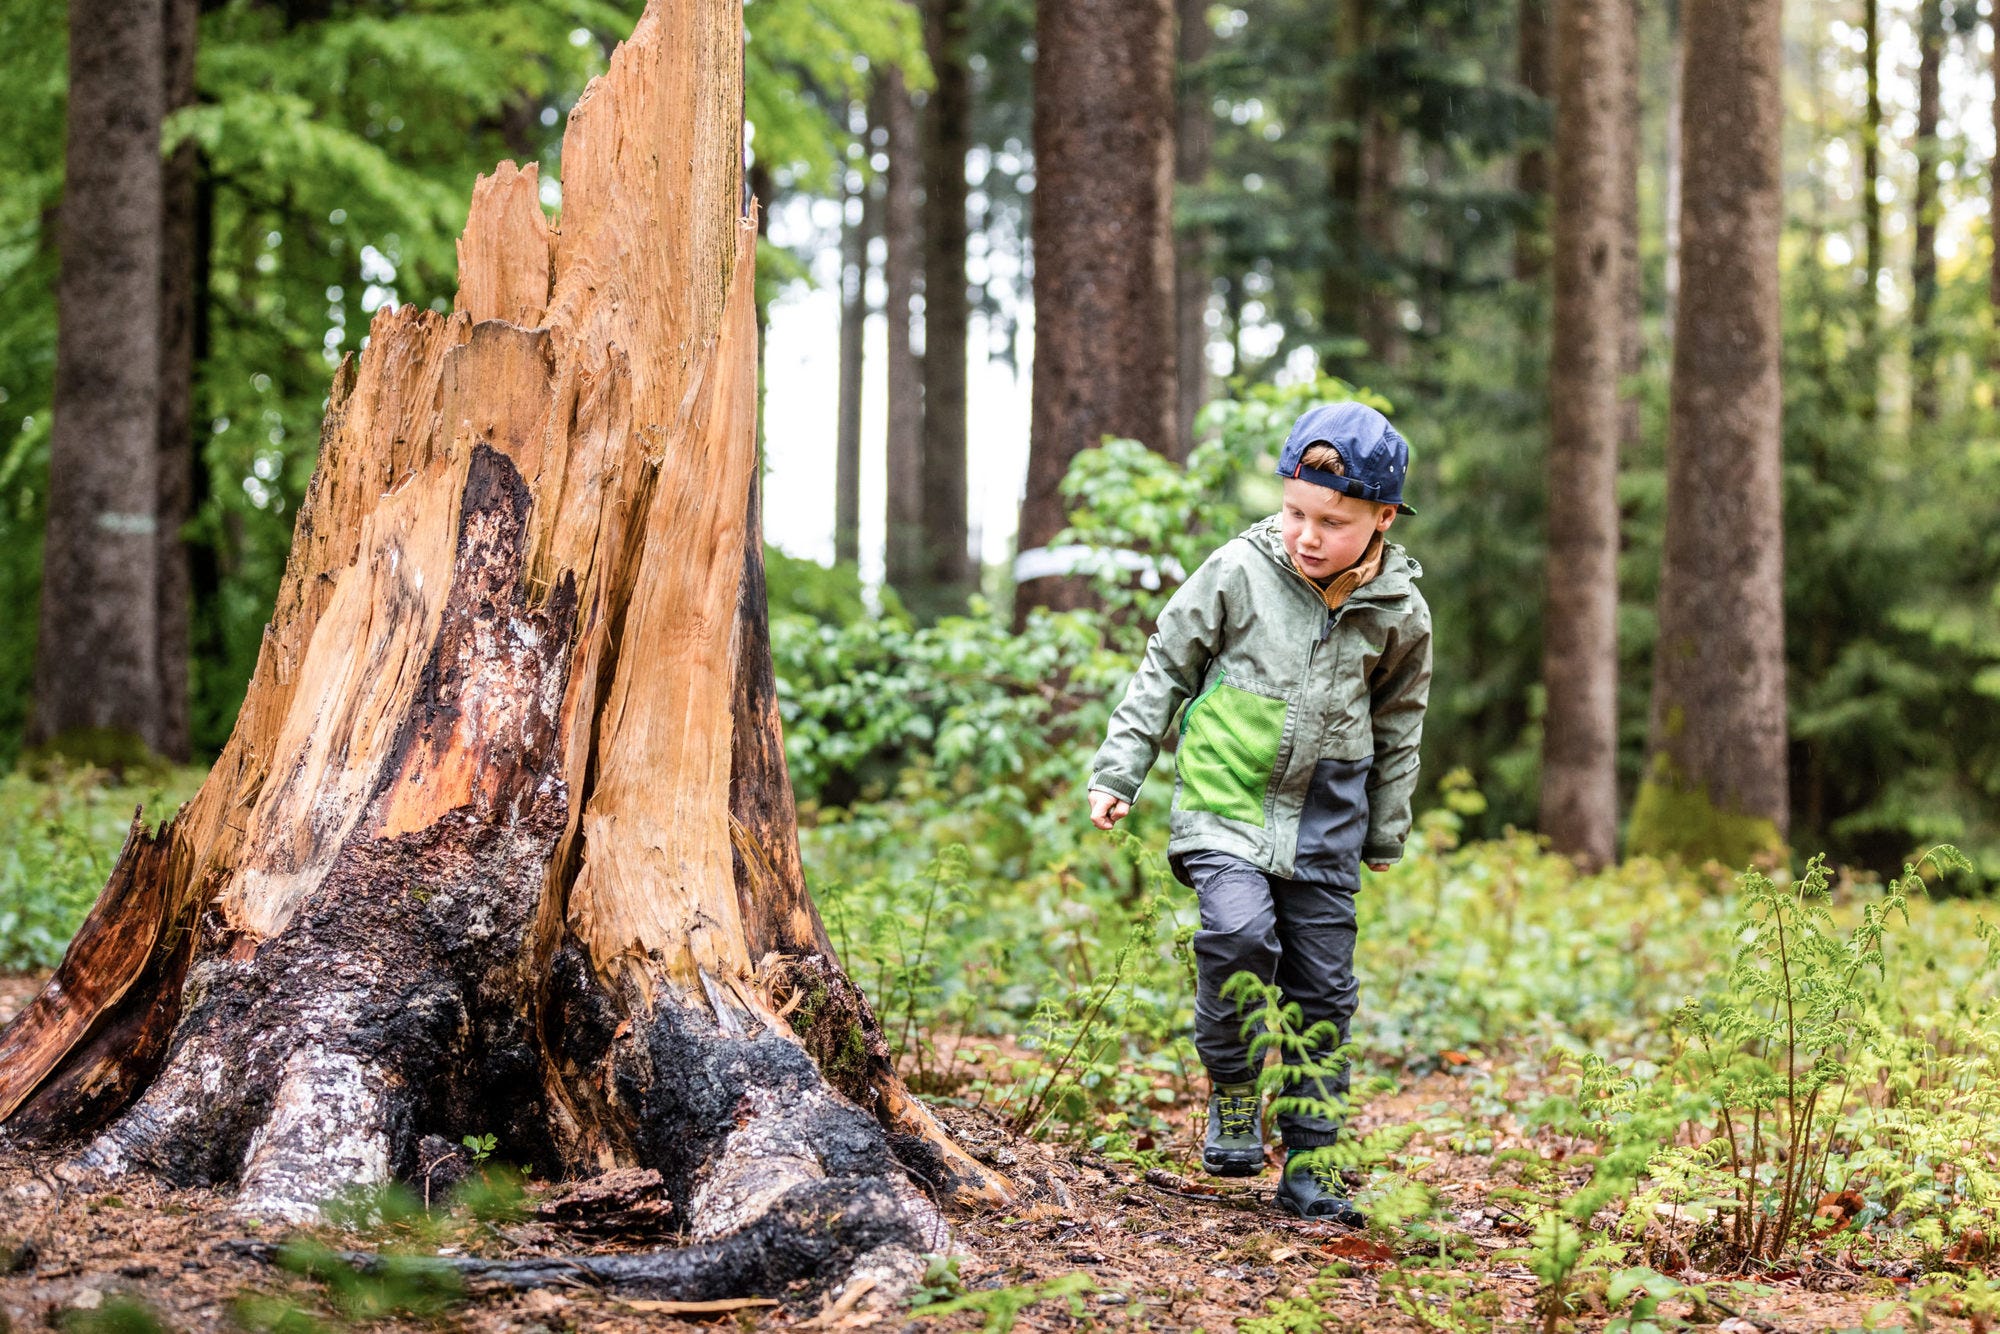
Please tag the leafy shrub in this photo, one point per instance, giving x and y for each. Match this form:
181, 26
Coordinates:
58, 841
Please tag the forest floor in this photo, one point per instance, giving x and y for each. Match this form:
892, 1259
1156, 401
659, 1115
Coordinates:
1091, 1244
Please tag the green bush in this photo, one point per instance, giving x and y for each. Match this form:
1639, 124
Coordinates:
59, 839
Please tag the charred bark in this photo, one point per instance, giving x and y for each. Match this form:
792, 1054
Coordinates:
503, 841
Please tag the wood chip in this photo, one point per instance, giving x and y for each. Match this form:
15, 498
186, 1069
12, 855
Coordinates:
695, 1308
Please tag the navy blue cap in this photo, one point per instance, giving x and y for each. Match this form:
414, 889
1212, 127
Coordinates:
1377, 458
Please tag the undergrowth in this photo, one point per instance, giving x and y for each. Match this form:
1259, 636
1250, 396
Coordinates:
58, 840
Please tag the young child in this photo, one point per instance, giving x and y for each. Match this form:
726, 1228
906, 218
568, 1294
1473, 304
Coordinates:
1302, 651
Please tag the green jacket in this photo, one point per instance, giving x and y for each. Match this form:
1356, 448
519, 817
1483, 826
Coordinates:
1298, 751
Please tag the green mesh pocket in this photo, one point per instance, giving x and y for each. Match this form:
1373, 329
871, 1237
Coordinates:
1228, 744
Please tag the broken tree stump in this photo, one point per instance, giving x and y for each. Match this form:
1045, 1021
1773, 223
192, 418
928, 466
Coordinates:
503, 842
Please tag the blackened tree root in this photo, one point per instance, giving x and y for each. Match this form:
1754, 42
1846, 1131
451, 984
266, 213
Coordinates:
815, 1238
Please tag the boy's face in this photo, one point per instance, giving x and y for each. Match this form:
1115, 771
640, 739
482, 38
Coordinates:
1326, 531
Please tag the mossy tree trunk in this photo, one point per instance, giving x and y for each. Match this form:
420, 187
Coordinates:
503, 841
1715, 784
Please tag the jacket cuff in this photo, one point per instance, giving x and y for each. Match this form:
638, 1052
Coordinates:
1381, 852
1116, 789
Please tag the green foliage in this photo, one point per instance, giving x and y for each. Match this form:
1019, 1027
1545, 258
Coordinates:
1000, 1307
115, 1315
385, 1286
338, 145
58, 841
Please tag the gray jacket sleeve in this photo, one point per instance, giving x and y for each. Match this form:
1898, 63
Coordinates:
1401, 690
1189, 634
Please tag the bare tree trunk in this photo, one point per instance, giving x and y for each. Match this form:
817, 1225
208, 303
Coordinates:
177, 456
1345, 280
1194, 148
503, 841
1671, 173
1632, 276
947, 308
1993, 206
1716, 779
903, 549
1531, 172
858, 227
1593, 155
1871, 199
97, 657
1105, 342
1381, 211
1924, 208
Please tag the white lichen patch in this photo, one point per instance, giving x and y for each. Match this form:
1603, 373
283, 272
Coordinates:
325, 1134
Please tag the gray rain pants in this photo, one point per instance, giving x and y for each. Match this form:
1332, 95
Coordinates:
1297, 934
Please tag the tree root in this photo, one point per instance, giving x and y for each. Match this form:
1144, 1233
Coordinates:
816, 1237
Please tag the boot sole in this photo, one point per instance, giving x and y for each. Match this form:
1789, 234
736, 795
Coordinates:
1352, 1218
1231, 1168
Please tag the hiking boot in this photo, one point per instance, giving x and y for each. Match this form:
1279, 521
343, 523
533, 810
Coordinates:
1235, 1143
1312, 1190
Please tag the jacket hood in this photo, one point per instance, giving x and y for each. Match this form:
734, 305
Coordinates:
1399, 568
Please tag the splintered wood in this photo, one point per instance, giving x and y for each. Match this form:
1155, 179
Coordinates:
503, 836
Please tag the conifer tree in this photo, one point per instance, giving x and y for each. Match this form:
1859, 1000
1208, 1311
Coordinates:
1715, 782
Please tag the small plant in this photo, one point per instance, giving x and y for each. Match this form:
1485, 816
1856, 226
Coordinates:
116, 1315
480, 1146
1778, 1048
1001, 1307
378, 1288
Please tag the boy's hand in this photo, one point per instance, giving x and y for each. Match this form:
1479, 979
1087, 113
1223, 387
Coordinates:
1380, 866
1107, 810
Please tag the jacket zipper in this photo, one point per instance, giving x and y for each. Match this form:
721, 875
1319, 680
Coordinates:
1187, 714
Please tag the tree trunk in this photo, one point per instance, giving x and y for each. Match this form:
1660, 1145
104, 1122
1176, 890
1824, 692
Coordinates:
1381, 241
1344, 281
1993, 206
97, 657
947, 308
177, 456
1531, 172
1105, 339
1579, 797
1871, 199
1924, 210
903, 545
1715, 784
1194, 148
1670, 193
859, 225
1632, 274
503, 842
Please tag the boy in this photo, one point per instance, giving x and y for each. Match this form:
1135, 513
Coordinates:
1303, 653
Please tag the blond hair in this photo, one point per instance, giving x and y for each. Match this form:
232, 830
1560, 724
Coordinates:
1324, 457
